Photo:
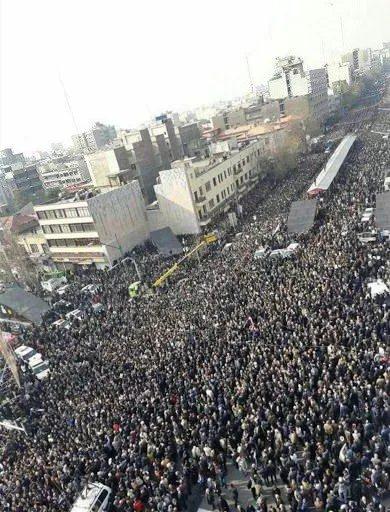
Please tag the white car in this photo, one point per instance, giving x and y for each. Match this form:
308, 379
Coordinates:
52, 284
90, 288
367, 215
95, 497
76, 313
26, 353
61, 323
367, 236
39, 368
63, 289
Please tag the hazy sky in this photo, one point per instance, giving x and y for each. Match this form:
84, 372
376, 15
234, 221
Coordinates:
123, 61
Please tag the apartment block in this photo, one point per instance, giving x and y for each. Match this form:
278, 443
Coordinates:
111, 167
192, 193
94, 229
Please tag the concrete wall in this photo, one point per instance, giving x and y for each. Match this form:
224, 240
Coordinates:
103, 163
164, 152
147, 163
120, 218
156, 219
173, 140
278, 88
176, 203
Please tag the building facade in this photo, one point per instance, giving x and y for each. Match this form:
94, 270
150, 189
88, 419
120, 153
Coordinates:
97, 137
95, 230
192, 193
60, 173
111, 167
339, 74
27, 179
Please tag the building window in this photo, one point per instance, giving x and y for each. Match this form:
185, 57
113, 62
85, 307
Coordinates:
83, 212
60, 214
247, 159
71, 212
34, 248
217, 197
65, 228
224, 172
41, 215
50, 214
208, 186
75, 228
46, 229
55, 228
214, 182
211, 203
196, 195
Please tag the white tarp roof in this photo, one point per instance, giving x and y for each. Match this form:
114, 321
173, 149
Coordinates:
329, 172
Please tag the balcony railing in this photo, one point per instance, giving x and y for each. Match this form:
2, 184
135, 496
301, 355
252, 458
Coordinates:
200, 200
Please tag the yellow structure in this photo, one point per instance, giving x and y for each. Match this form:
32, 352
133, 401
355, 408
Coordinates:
206, 240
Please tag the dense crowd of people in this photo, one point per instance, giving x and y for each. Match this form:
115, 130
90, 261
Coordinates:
279, 365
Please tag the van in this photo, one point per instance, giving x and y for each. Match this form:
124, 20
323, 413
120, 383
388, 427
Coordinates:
26, 353
367, 236
76, 313
367, 215
52, 284
39, 368
95, 497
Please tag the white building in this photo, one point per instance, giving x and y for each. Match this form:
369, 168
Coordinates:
192, 193
96, 229
59, 174
339, 73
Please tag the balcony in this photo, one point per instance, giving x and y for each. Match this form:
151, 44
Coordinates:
200, 200
238, 171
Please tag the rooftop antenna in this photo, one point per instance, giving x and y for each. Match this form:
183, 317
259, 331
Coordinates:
251, 85
68, 105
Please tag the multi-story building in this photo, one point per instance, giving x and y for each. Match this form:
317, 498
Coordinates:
26, 231
255, 113
145, 155
192, 142
61, 172
111, 167
8, 158
360, 59
339, 75
84, 230
97, 137
27, 179
291, 81
192, 193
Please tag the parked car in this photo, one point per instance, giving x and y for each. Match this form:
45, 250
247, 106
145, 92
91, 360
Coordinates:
63, 289
95, 497
54, 283
26, 353
90, 288
76, 313
39, 368
367, 236
367, 214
